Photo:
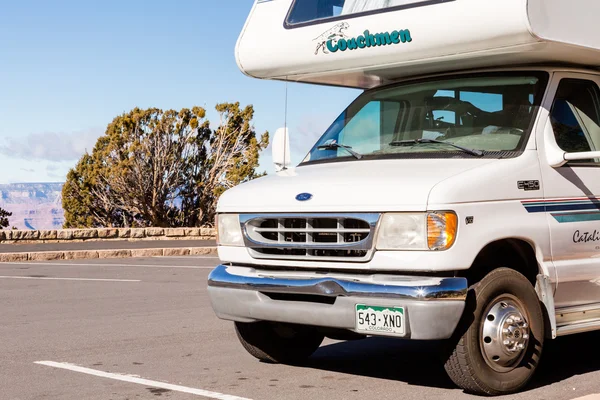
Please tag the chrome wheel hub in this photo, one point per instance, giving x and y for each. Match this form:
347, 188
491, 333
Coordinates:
504, 333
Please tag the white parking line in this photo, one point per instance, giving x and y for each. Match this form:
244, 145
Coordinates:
140, 381
189, 257
108, 265
69, 279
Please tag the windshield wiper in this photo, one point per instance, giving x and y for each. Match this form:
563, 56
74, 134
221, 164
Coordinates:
333, 145
476, 153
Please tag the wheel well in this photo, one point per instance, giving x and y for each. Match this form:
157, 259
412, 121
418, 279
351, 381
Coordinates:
515, 254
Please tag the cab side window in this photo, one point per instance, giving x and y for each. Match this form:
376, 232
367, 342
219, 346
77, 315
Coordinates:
575, 116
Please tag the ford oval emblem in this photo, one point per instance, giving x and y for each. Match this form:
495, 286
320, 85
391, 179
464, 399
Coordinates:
304, 197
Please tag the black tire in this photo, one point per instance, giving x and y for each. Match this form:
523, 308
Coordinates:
468, 365
278, 343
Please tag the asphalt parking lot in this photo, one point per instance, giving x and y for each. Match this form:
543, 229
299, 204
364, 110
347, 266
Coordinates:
144, 329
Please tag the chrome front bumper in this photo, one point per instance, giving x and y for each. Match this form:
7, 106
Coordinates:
433, 305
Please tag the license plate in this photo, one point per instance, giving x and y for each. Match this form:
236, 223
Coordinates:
380, 320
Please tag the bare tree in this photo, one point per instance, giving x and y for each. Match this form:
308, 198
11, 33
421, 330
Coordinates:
162, 168
232, 155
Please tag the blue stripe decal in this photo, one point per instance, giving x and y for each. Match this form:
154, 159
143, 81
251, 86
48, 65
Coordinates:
577, 217
535, 209
557, 208
572, 207
562, 203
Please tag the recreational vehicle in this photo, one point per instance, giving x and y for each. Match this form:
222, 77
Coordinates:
456, 199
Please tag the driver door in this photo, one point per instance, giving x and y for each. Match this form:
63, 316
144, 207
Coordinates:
572, 191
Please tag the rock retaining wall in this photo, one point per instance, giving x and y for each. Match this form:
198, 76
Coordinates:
92, 254
82, 235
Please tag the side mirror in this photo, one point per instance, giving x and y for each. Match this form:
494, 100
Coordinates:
586, 155
556, 156
281, 149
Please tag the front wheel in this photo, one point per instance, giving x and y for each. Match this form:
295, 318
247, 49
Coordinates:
278, 343
501, 348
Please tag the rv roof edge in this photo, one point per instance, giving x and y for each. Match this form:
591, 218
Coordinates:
368, 48
238, 43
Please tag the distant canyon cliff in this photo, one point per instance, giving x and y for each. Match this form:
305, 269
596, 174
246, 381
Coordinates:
34, 205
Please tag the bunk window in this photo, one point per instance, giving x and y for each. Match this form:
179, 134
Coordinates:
311, 11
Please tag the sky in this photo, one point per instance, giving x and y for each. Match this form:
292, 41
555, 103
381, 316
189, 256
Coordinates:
67, 68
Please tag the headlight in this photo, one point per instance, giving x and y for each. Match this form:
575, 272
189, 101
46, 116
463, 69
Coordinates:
403, 231
229, 231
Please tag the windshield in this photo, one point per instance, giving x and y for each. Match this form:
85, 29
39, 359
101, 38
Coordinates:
490, 113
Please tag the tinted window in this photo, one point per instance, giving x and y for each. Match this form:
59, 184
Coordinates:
575, 116
491, 113
312, 10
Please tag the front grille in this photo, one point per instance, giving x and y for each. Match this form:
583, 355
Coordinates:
333, 237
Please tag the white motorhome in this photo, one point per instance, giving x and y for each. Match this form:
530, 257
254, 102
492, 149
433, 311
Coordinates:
456, 199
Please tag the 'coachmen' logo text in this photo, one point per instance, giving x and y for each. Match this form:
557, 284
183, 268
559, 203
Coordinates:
369, 40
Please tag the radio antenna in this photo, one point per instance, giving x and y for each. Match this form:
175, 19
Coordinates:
285, 131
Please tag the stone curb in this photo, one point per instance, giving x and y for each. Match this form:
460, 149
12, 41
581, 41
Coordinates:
91, 254
130, 239
94, 234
